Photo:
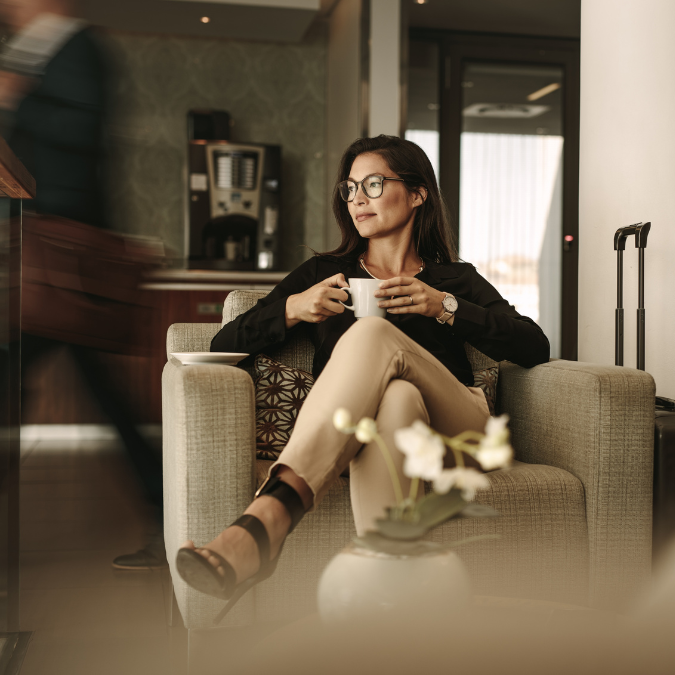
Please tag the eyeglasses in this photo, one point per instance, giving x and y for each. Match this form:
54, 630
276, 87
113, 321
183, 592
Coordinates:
372, 187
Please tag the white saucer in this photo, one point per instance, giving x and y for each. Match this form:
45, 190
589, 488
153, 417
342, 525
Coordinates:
192, 358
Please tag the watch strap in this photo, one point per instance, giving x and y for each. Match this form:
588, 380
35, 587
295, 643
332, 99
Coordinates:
446, 316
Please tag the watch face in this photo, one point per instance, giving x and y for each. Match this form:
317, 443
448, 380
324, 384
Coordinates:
450, 303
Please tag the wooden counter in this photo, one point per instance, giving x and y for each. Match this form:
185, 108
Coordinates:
178, 296
15, 181
207, 280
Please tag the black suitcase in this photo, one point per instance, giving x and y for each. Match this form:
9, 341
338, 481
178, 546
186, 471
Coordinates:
664, 421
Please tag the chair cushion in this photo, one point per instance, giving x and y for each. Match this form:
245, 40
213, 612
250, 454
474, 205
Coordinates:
486, 380
541, 550
280, 391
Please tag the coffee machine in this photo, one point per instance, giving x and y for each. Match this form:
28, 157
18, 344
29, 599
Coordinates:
233, 198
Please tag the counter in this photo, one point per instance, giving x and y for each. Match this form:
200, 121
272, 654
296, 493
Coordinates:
211, 280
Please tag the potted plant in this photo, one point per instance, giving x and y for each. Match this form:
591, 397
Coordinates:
393, 567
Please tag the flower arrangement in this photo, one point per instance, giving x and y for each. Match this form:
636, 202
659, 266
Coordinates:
453, 489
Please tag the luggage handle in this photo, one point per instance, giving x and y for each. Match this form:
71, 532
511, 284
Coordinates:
641, 232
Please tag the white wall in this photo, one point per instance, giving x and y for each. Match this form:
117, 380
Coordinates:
384, 113
343, 96
627, 174
364, 88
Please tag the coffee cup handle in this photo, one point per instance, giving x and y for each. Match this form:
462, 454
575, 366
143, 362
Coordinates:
347, 290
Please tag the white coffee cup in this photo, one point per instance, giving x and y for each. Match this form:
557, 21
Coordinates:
364, 302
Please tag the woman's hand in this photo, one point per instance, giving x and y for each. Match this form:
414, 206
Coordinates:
317, 303
426, 300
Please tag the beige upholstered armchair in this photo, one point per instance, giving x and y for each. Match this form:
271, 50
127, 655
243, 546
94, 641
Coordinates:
575, 509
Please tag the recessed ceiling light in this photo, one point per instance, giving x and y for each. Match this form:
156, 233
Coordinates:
205, 19
540, 93
420, 2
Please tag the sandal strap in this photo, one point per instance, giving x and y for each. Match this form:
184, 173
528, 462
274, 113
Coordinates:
257, 530
287, 495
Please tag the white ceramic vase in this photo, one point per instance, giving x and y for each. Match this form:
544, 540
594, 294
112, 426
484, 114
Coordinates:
360, 582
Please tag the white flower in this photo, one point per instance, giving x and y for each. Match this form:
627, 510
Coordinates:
495, 458
342, 420
495, 451
465, 479
496, 427
423, 450
365, 430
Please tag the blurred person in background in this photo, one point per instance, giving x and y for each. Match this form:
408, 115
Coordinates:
53, 90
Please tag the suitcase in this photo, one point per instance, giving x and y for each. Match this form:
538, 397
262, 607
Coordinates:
664, 420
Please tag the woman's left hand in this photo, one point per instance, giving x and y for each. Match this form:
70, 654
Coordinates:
413, 297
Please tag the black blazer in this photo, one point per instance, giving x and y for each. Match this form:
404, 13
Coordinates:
483, 319
58, 132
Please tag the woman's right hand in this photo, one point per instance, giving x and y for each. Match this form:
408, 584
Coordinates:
317, 303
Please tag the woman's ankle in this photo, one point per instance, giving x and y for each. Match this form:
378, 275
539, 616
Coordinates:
274, 516
287, 475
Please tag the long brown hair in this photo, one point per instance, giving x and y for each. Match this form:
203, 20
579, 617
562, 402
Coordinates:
432, 235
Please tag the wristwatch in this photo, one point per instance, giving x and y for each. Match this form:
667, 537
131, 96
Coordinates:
450, 305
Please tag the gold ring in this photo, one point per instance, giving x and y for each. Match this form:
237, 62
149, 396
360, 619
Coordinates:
412, 302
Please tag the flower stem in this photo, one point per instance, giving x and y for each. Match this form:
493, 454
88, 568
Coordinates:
390, 465
459, 442
413, 488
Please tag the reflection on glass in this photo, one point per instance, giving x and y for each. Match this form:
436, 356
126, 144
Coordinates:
10, 270
511, 185
423, 103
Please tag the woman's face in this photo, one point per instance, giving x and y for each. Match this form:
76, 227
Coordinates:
392, 212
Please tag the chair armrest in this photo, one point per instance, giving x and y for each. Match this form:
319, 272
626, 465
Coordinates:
597, 422
190, 337
208, 414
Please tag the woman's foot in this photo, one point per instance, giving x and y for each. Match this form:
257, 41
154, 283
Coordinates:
237, 545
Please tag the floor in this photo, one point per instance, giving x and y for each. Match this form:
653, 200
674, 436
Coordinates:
80, 507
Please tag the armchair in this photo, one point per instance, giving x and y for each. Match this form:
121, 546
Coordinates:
575, 509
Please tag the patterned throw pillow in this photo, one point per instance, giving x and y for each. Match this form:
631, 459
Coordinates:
280, 392
486, 380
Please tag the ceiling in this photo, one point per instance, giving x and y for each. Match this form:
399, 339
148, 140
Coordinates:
288, 20
553, 18
266, 20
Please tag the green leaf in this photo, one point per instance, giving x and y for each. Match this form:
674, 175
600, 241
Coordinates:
435, 509
375, 541
400, 529
478, 511
426, 514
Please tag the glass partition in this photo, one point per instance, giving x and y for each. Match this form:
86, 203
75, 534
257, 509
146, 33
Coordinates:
10, 279
510, 217
15, 184
423, 99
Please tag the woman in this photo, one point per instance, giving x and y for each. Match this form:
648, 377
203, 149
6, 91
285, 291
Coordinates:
410, 366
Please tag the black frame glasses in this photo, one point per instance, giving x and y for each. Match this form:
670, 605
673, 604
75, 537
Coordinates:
345, 187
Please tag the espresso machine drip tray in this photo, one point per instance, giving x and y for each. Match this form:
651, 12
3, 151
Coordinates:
229, 243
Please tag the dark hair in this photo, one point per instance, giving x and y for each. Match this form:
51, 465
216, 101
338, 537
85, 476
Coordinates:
432, 235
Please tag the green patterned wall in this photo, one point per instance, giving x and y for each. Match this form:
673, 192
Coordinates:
275, 93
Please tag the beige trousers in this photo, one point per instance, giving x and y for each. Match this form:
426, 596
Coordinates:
375, 371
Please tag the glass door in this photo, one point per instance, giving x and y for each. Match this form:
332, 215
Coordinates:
498, 117
510, 199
